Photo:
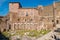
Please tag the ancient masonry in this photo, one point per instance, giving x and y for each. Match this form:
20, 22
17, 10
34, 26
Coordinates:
42, 17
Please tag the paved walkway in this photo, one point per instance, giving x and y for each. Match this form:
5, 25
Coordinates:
47, 36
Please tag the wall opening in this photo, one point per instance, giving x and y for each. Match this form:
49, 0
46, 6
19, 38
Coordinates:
57, 21
9, 26
4, 29
52, 20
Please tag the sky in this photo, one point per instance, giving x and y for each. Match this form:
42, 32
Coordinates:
4, 4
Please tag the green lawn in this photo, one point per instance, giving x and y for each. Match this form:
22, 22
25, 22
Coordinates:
31, 33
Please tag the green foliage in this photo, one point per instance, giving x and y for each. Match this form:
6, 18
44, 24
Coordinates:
36, 33
44, 31
6, 34
32, 33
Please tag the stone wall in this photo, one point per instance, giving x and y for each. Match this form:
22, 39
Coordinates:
32, 18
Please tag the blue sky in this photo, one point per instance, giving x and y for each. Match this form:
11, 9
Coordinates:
4, 8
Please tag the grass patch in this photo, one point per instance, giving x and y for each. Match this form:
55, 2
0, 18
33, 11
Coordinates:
6, 34
36, 33
32, 33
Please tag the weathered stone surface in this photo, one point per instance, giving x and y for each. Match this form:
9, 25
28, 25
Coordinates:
31, 18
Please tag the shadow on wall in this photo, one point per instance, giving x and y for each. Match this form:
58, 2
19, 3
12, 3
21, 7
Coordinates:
2, 37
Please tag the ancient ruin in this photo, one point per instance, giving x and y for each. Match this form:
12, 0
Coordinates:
41, 17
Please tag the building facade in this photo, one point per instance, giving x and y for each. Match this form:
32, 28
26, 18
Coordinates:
41, 17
